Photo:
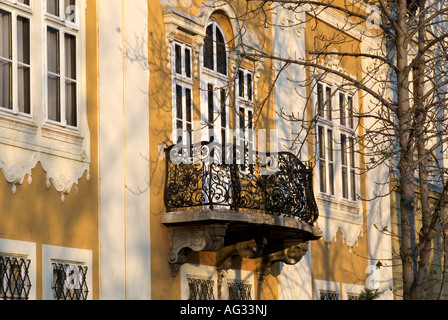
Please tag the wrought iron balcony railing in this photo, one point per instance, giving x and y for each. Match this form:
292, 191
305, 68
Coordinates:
210, 176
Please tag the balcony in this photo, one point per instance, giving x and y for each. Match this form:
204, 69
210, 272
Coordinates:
238, 203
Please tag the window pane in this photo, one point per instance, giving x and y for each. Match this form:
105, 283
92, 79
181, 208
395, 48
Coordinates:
53, 7
322, 169
24, 89
188, 63
178, 60
70, 56
5, 85
188, 108
5, 33
330, 160
328, 102
179, 103
5, 63
54, 98
320, 100
249, 87
221, 55
27, 2
350, 112
210, 105
223, 108
53, 50
342, 108
241, 83
70, 103
208, 48
23, 40
70, 10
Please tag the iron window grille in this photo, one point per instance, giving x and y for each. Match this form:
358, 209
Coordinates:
201, 289
240, 291
352, 296
328, 295
15, 283
69, 281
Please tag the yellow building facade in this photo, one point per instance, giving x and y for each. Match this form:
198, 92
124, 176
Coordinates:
96, 96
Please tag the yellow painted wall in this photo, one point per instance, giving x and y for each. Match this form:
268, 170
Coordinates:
37, 214
337, 262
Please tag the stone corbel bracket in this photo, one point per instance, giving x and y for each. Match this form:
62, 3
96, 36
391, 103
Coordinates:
248, 249
290, 256
184, 239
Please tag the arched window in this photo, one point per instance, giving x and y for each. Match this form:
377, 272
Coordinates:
215, 56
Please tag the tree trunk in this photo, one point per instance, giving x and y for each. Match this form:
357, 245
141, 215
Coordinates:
405, 165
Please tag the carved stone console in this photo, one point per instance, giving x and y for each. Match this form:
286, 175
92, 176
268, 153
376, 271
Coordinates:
233, 234
193, 237
289, 256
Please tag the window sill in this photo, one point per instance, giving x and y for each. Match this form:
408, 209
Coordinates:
340, 208
18, 122
61, 133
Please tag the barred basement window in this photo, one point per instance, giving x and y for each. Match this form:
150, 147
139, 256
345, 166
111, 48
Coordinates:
328, 295
201, 289
352, 296
240, 291
15, 282
69, 281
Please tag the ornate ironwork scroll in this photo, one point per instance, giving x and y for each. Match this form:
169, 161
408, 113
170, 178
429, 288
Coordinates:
208, 175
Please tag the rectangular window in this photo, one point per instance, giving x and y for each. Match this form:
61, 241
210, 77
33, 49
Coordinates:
69, 281
324, 106
183, 98
348, 167
328, 295
240, 291
15, 281
322, 160
62, 83
326, 160
352, 169
15, 62
54, 74
344, 166
53, 7
23, 64
63, 10
6, 60
200, 289
342, 108
346, 110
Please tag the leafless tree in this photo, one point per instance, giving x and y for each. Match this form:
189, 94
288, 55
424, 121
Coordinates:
405, 125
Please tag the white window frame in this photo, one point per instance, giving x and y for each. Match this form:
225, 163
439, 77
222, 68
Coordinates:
27, 250
61, 19
219, 81
245, 136
186, 83
337, 130
63, 30
326, 187
348, 130
18, 9
52, 254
